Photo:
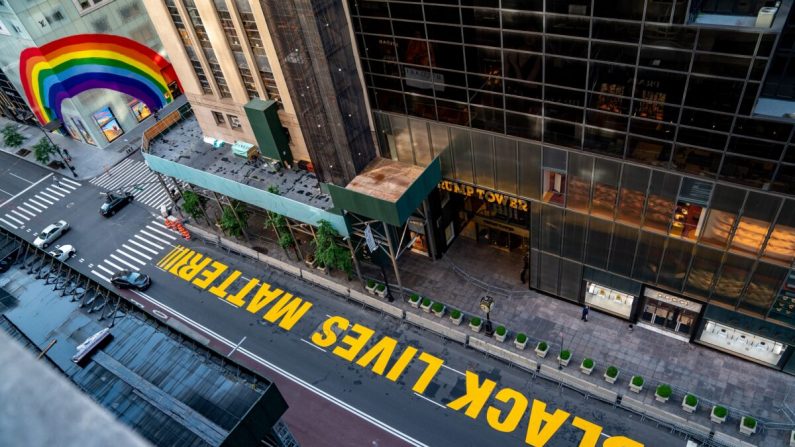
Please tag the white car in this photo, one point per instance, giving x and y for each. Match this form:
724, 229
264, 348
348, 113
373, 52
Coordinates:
51, 233
63, 253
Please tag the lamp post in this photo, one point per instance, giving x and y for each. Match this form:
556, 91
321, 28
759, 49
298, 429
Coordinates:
49, 127
486, 304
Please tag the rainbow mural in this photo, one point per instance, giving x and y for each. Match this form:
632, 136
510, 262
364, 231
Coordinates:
71, 65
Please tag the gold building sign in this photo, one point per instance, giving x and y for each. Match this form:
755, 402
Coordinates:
483, 194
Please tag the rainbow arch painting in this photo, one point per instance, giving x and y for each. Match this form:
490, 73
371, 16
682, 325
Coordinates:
74, 64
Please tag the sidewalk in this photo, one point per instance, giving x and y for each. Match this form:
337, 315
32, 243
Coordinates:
89, 161
743, 387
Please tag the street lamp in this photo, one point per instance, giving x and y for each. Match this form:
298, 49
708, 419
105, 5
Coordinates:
49, 127
486, 304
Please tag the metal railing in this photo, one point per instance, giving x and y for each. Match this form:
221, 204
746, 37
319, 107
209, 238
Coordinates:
166, 123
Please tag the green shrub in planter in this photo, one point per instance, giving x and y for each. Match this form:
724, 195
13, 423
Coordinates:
475, 321
664, 391
414, 298
426, 302
720, 412
637, 381
612, 371
565, 354
370, 283
542, 346
500, 330
380, 287
749, 422
521, 337
437, 307
455, 314
587, 363
691, 400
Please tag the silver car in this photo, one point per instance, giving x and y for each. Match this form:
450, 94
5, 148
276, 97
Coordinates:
51, 233
63, 253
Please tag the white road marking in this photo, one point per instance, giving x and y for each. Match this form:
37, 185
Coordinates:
103, 268
60, 188
453, 370
154, 237
313, 345
68, 188
113, 265
160, 224
429, 400
8, 223
32, 207
124, 262
148, 242
81, 260
57, 193
142, 247
71, 182
43, 200
26, 211
25, 190
15, 219
49, 196
173, 238
119, 251
21, 178
6, 192
353, 410
37, 203
102, 277
21, 215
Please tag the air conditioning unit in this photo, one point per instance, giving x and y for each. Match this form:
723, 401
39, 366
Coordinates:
766, 16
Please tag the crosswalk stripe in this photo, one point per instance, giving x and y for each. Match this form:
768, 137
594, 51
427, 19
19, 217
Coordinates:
61, 188
69, 188
57, 193
103, 268
43, 199
142, 247
21, 215
124, 262
8, 223
26, 211
124, 253
49, 196
15, 219
157, 222
139, 177
119, 176
149, 258
126, 177
71, 182
99, 181
173, 238
157, 199
100, 276
113, 265
32, 207
154, 237
149, 242
150, 193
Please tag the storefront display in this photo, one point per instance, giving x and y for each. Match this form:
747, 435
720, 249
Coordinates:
742, 343
608, 300
669, 314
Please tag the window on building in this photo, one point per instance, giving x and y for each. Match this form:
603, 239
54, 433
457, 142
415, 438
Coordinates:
86, 6
219, 118
234, 122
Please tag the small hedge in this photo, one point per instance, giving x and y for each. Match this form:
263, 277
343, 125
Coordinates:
370, 284
455, 314
565, 354
542, 346
612, 371
664, 391
414, 298
749, 422
475, 321
521, 337
719, 411
587, 363
426, 302
380, 287
637, 381
691, 400
437, 307
500, 330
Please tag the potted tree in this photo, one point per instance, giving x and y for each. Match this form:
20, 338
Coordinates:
690, 403
587, 366
792, 438
747, 425
414, 300
521, 340
380, 290
719, 414
542, 348
456, 316
500, 333
425, 305
611, 374
438, 309
370, 287
476, 324
564, 357
663, 393
636, 384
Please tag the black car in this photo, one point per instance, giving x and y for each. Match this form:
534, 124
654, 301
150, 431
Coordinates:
8, 258
126, 279
114, 202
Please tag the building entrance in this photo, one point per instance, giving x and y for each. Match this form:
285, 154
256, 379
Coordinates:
669, 314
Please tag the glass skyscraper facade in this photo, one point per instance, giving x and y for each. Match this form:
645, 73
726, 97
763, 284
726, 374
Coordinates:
614, 142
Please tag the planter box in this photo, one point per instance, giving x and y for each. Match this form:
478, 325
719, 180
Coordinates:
426, 309
716, 419
609, 379
745, 430
476, 328
371, 290
659, 398
520, 345
587, 371
414, 304
381, 293
457, 321
564, 362
687, 407
310, 262
634, 388
500, 338
540, 353
440, 314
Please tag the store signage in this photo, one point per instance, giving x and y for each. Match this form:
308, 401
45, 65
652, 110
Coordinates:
482, 194
368, 237
672, 300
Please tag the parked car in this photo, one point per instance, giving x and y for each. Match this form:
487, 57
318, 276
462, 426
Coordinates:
126, 279
48, 235
115, 202
63, 253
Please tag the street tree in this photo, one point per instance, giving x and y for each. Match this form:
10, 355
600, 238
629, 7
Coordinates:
328, 251
11, 137
279, 224
192, 204
43, 150
229, 219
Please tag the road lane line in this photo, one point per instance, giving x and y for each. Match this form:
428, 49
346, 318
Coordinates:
4, 191
21, 178
313, 345
173, 238
26, 211
102, 277
8, 223
71, 182
37, 203
62, 189
57, 193
154, 237
69, 188
142, 247
131, 257
15, 219
44, 200
236, 346
103, 268
124, 262
49, 196
351, 409
429, 400
453, 370
25, 190
113, 265
159, 247
32, 207
21, 215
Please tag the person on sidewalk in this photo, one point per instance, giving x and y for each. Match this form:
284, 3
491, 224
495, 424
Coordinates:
156, 115
525, 268
584, 313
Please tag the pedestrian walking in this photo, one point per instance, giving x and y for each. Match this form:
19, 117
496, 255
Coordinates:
157, 115
585, 313
525, 268
66, 154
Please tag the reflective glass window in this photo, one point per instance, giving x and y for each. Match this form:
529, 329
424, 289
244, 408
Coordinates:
444, 32
634, 182
579, 189
522, 41
719, 65
659, 11
607, 121
506, 162
574, 235
732, 279
522, 20
421, 142
609, 102
421, 106
529, 170
707, 120
618, 10
413, 51
571, 7
780, 246
487, 118
563, 134
701, 94
442, 14
758, 128
647, 259
611, 79
565, 72
551, 229
725, 204
523, 66
785, 180
462, 154
755, 148
548, 273
524, 89
712, 140
406, 29
565, 96
447, 56
763, 288
652, 152
567, 47
747, 171
567, 25
758, 214
482, 148
610, 52
706, 262
522, 105
406, 11
617, 31
453, 112
665, 58
440, 138
372, 8
749, 98
622, 250
523, 126
663, 189
484, 60
485, 17
727, 41
659, 87
696, 161
669, 36
573, 114
654, 129
604, 141
598, 246
605, 187
401, 139
675, 263
389, 101
482, 36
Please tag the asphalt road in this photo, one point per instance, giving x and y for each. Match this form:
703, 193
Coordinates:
333, 401
16, 175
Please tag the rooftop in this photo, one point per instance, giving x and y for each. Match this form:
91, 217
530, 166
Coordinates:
184, 143
385, 179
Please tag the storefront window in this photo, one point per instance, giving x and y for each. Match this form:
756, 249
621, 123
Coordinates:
726, 202
420, 142
598, 246
574, 235
462, 155
605, 188
608, 300
505, 158
634, 183
675, 263
780, 246
622, 250
647, 261
742, 343
758, 213
671, 314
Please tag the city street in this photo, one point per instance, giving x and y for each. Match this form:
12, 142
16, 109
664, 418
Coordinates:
330, 397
